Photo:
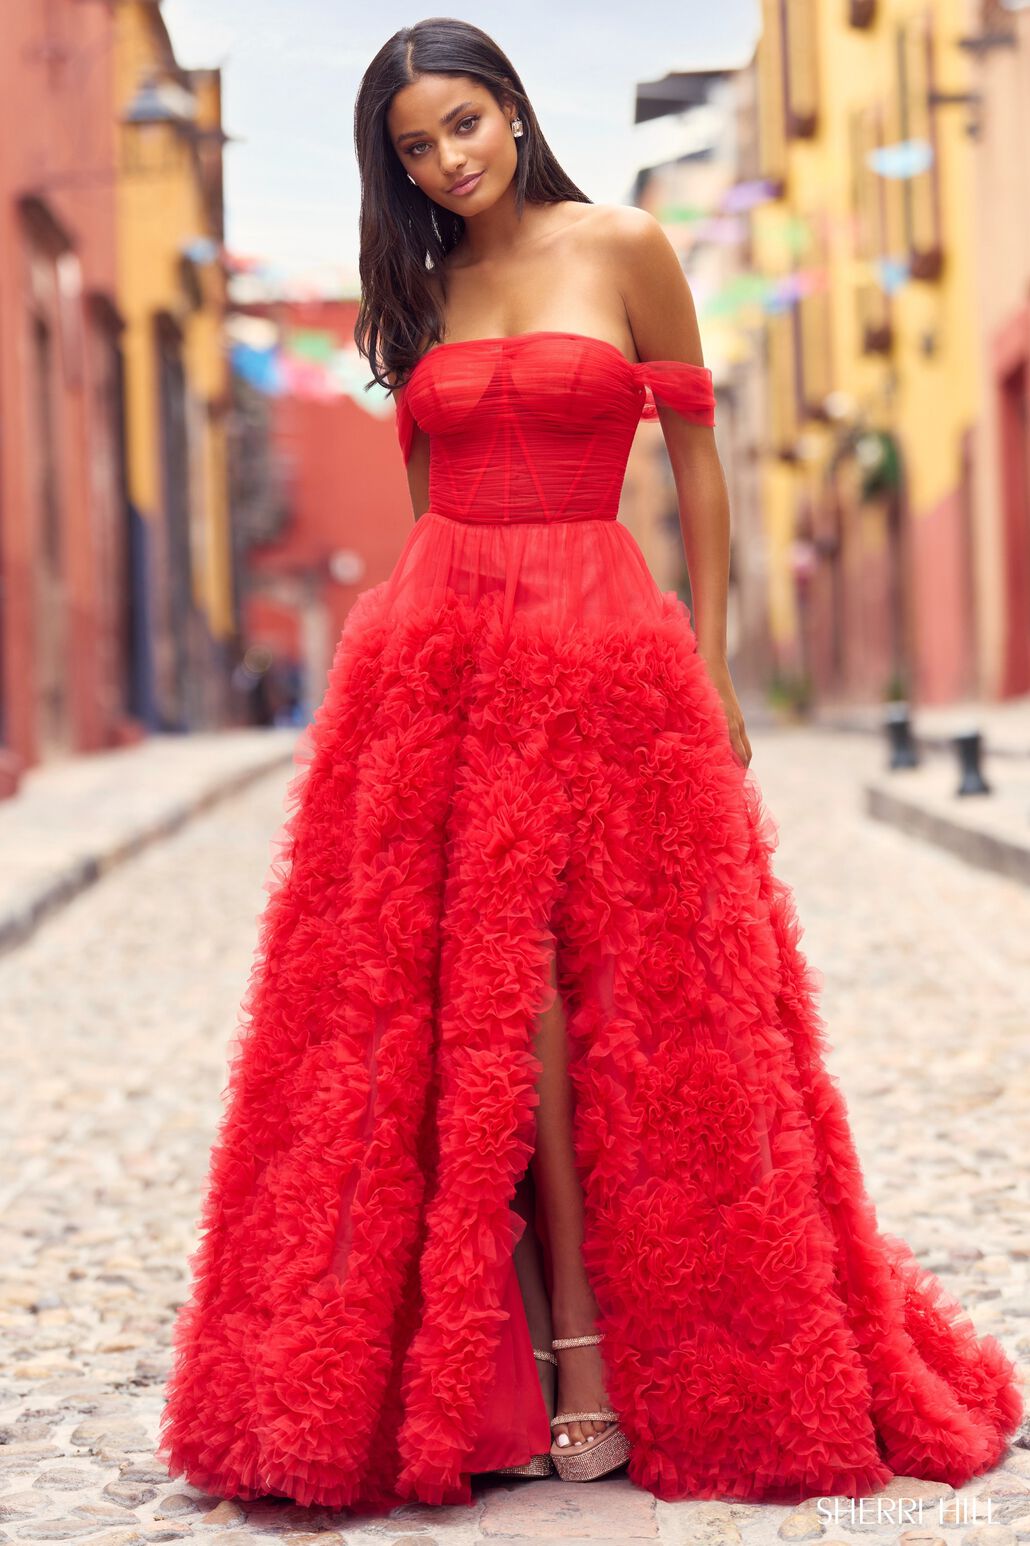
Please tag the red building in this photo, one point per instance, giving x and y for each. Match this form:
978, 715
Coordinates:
331, 513
64, 587
1001, 558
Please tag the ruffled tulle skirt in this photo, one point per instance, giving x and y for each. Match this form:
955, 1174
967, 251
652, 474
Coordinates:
520, 753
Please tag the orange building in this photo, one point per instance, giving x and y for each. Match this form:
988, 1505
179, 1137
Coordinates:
171, 291
871, 358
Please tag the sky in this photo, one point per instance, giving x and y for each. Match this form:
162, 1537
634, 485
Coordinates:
291, 73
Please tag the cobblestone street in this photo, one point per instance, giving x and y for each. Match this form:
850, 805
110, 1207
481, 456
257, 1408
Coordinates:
116, 1017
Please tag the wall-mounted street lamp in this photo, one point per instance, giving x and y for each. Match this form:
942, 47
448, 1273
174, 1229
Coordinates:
971, 99
158, 104
161, 101
980, 43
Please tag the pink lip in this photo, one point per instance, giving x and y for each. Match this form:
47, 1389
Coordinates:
467, 184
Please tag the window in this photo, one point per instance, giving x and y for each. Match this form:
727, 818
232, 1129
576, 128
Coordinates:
872, 200
875, 328
920, 194
800, 66
772, 112
867, 192
815, 342
782, 360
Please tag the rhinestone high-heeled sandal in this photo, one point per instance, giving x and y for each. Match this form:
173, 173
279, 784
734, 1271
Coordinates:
536, 1465
603, 1453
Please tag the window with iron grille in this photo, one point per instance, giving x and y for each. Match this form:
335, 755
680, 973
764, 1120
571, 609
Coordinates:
799, 23
917, 121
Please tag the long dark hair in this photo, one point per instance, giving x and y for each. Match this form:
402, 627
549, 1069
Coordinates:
402, 231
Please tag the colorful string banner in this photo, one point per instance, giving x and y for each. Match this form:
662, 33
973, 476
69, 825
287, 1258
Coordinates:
905, 159
763, 292
737, 200
748, 195
308, 363
892, 273
260, 368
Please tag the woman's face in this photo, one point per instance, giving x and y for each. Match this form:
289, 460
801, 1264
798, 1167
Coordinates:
445, 128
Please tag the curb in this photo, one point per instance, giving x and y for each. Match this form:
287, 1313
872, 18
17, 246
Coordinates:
42, 899
985, 850
939, 741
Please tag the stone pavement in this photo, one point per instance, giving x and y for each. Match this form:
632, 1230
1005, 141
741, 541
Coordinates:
72, 819
116, 1016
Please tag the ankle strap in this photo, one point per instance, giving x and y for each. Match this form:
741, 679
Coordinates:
587, 1341
542, 1353
605, 1414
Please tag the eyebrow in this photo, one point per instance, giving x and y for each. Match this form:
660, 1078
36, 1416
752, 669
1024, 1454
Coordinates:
418, 134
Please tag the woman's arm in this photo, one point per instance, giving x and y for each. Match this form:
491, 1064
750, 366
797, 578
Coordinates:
418, 473
414, 444
661, 314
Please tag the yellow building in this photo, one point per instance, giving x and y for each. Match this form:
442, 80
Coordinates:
870, 346
171, 284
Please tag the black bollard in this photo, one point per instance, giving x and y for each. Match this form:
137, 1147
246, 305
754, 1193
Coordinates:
903, 752
971, 781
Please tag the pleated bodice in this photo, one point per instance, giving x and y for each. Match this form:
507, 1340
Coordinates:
538, 426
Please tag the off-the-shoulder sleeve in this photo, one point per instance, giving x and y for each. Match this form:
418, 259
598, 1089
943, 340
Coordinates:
675, 384
405, 423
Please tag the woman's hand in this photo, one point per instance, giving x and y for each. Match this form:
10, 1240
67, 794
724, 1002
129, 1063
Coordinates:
719, 672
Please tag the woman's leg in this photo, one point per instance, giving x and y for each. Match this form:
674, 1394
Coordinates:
559, 1194
529, 1270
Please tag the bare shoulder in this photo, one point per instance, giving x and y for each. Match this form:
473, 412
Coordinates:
637, 242
625, 230
637, 250
655, 291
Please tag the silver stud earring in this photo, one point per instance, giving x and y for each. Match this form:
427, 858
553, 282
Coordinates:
516, 127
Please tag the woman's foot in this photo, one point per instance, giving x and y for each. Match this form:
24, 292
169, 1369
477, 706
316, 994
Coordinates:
580, 1378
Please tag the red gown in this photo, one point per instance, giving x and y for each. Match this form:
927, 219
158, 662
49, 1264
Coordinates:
520, 750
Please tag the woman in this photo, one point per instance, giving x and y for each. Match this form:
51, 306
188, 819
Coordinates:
530, 1135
